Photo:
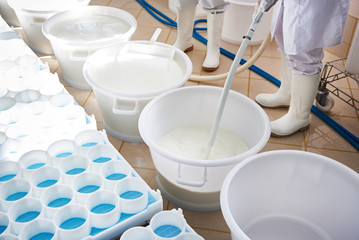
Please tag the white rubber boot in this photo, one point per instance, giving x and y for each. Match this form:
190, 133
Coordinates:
214, 32
185, 20
303, 92
281, 98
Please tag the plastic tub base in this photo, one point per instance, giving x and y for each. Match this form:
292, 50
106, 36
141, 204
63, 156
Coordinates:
194, 201
127, 138
280, 227
78, 85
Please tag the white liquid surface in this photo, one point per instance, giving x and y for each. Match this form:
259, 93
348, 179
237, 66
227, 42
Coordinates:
132, 78
90, 28
192, 142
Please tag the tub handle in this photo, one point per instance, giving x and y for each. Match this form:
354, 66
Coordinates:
125, 106
79, 55
38, 21
191, 183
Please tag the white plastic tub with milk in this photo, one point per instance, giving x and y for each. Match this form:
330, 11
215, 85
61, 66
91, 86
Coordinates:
125, 80
75, 34
32, 15
288, 194
187, 181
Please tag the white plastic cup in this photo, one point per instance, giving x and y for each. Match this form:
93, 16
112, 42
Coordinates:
12, 191
138, 233
6, 103
90, 138
8, 237
86, 184
28, 64
100, 155
61, 100
104, 207
8, 171
133, 195
115, 171
39, 227
50, 85
27, 96
4, 223
62, 149
72, 166
289, 194
24, 212
55, 198
33, 160
67, 226
44, 178
165, 220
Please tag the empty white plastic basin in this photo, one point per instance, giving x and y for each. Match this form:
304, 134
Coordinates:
238, 18
75, 34
288, 194
193, 183
32, 15
125, 80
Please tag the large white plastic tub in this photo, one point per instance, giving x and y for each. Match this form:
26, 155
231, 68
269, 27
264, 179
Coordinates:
288, 194
123, 87
32, 15
75, 34
192, 183
238, 18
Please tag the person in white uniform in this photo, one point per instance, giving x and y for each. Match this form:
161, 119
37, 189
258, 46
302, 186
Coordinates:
301, 29
186, 12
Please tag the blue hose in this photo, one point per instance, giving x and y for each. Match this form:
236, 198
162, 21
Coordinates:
347, 135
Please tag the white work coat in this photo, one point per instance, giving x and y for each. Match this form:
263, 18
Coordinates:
309, 24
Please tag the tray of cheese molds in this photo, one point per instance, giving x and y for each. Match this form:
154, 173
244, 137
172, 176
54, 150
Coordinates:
75, 189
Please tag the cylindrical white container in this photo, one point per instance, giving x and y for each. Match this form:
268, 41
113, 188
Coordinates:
288, 194
33, 14
238, 18
193, 183
127, 76
75, 34
167, 219
40, 228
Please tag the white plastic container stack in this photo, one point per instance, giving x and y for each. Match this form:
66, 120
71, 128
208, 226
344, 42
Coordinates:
125, 77
75, 189
287, 194
33, 14
75, 34
195, 183
238, 18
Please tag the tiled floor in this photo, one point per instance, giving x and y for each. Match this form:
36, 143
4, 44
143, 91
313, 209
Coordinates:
320, 138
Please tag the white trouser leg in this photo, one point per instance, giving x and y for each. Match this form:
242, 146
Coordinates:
303, 92
185, 20
281, 98
214, 32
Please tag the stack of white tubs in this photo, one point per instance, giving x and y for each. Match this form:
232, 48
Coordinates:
60, 178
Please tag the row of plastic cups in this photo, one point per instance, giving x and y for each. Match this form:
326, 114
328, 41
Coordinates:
103, 207
163, 225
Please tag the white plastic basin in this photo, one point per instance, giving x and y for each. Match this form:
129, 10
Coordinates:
288, 194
